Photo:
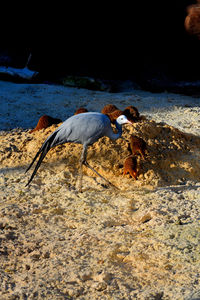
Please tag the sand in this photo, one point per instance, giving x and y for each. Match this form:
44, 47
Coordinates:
140, 240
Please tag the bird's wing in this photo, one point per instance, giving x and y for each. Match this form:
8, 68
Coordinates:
83, 128
42, 152
59, 136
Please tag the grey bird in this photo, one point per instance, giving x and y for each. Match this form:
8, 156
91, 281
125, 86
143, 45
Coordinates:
83, 129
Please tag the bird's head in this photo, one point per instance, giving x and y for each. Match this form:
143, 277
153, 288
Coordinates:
123, 120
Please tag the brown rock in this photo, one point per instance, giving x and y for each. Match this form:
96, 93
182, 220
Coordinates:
146, 218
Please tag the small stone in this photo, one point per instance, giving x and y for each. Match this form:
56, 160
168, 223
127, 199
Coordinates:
85, 276
35, 257
74, 292
46, 254
146, 218
99, 286
104, 276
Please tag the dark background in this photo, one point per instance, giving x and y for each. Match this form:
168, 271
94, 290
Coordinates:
131, 40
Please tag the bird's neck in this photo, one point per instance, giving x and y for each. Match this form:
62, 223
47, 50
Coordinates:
119, 129
115, 136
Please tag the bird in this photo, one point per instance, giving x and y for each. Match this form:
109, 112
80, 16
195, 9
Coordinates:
83, 129
130, 166
108, 108
138, 145
81, 110
44, 122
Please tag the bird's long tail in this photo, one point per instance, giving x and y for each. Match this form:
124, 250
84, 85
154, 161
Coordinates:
42, 152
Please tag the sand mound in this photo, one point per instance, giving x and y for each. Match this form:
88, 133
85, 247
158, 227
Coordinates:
173, 156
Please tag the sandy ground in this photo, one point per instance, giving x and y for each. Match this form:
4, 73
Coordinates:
140, 240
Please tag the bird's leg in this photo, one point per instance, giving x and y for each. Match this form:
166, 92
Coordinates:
82, 160
81, 176
87, 165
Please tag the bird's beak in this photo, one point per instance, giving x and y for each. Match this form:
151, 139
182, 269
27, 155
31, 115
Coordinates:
129, 122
